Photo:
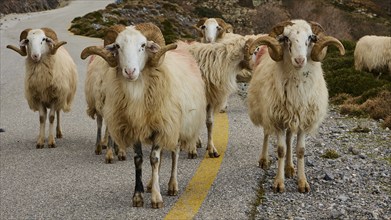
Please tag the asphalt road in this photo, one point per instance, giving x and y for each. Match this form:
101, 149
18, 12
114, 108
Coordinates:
70, 181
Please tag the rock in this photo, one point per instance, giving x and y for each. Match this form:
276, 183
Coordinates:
354, 151
328, 176
343, 198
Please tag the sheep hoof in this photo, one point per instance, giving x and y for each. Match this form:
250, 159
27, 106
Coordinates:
214, 155
40, 146
192, 156
172, 192
289, 171
264, 164
98, 151
121, 157
304, 187
109, 160
138, 200
157, 205
199, 144
149, 189
279, 187
58, 134
52, 145
104, 147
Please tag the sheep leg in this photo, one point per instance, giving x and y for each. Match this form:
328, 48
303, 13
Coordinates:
209, 125
42, 121
51, 141
121, 152
105, 140
109, 152
156, 197
149, 185
289, 167
98, 146
225, 105
300, 150
279, 180
199, 143
138, 200
173, 183
58, 128
264, 161
192, 154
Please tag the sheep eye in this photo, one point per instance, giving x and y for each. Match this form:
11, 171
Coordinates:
218, 28
283, 39
116, 46
203, 27
143, 45
313, 38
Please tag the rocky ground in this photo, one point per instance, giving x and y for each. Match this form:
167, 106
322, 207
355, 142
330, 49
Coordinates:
355, 185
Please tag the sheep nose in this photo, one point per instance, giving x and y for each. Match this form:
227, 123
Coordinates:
35, 57
130, 72
299, 61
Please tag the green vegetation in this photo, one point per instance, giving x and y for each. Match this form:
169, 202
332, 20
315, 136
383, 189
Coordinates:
359, 93
330, 154
208, 12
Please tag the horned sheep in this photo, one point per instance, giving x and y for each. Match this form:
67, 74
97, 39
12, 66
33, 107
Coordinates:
50, 79
155, 95
373, 53
288, 93
219, 64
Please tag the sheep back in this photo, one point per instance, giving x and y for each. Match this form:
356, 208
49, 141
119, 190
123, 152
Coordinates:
278, 99
52, 81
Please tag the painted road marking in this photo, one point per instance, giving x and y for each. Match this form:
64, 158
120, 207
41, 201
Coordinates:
196, 191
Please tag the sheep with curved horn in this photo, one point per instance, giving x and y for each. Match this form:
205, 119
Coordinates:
288, 93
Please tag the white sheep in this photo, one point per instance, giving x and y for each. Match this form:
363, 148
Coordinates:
373, 53
154, 95
50, 79
288, 93
95, 98
219, 64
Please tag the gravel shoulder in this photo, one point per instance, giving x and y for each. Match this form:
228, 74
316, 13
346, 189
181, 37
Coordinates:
356, 185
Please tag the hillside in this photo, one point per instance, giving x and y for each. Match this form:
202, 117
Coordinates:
17, 6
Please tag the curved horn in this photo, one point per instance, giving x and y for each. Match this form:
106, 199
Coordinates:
323, 42
50, 33
225, 27
278, 29
102, 52
112, 34
151, 32
317, 29
156, 59
55, 47
197, 26
275, 49
22, 50
245, 63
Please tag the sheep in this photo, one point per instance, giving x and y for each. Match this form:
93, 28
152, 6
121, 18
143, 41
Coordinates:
219, 64
373, 53
156, 95
95, 98
50, 79
212, 30
288, 93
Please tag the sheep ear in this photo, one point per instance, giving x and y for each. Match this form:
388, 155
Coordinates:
113, 48
23, 43
152, 47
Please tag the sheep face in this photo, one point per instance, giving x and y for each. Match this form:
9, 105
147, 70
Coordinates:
298, 40
211, 30
133, 51
37, 43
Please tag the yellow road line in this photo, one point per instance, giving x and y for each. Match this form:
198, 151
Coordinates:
196, 191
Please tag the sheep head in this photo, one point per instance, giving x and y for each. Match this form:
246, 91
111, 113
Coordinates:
299, 39
132, 48
211, 29
32, 39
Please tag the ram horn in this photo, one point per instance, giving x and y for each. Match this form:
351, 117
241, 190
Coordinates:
225, 27
322, 42
278, 29
245, 63
102, 52
152, 33
112, 33
275, 49
22, 49
157, 58
50, 33
197, 26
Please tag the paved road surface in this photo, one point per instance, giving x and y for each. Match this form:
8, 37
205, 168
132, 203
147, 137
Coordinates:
70, 181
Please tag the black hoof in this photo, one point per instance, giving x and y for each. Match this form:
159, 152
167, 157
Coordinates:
39, 146
192, 156
52, 146
214, 155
